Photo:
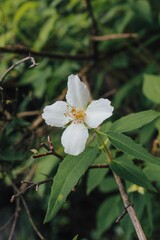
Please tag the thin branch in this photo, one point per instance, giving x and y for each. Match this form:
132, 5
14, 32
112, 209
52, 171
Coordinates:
130, 209
114, 36
18, 63
94, 28
28, 113
44, 145
37, 184
29, 177
42, 155
53, 150
28, 213
7, 223
35, 123
31, 219
99, 166
123, 214
33, 185
16, 215
50, 149
60, 56
109, 93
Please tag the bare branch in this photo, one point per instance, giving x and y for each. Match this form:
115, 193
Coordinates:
123, 214
18, 63
114, 36
42, 155
33, 185
7, 223
94, 28
28, 113
60, 56
28, 213
50, 149
31, 219
99, 166
16, 215
130, 209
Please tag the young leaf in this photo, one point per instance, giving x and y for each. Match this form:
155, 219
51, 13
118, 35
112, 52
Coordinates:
128, 146
151, 87
129, 171
134, 121
70, 171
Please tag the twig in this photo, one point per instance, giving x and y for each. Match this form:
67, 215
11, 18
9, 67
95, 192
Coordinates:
130, 209
7, 223
31, 220
109, 93
16, 214
94, 28
35, 123
50, 150
29, 177
22, 51
42, 155
36, 185
29, 113
44, 145
99, 166
114, 36
123, 214
18, 63
28, 213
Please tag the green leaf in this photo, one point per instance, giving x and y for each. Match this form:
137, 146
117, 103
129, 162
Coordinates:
152, 172
108, 185
146, 133
151, 87
107, 214
75, 237
128, 146
45, 166
134, 121
95, 176
70, 171
127, 170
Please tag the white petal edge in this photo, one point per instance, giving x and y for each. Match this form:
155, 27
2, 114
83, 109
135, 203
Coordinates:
78, 95
74, 138
54, 114
97, 112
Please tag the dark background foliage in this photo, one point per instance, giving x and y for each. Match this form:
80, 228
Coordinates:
114, 47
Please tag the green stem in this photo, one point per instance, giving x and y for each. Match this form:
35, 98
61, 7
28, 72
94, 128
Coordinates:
105, 147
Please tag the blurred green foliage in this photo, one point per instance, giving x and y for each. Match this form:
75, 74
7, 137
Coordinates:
125, 70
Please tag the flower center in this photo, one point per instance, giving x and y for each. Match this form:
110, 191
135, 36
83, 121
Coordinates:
78, 115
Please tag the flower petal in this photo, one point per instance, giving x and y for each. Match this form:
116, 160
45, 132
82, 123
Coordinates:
74, 138
77, 95
54, 115
97, 112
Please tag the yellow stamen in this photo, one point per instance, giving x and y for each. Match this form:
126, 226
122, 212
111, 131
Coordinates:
77, 115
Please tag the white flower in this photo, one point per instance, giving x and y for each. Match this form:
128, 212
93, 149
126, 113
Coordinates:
77, 115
